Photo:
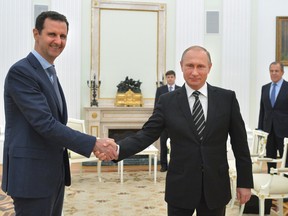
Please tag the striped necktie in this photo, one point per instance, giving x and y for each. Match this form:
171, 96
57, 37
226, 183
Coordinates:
198, 115
53, 78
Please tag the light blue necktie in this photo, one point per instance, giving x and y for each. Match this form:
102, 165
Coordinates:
273, 94
53, 78
170, 88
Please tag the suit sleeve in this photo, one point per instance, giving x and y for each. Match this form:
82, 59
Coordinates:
240, 147
261, 112
30, 95
149, 133
157, 96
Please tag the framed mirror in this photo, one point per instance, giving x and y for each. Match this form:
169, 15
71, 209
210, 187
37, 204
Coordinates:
128, 39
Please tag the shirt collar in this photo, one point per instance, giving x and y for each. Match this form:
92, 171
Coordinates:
279, 83
202, 90
44, 63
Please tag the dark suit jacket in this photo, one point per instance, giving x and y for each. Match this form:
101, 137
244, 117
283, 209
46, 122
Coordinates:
34, 160
162, 90
194, 164
277, 115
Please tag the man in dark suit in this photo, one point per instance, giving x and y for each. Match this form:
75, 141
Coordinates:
36, 164
169, 87
198, 177
273, 115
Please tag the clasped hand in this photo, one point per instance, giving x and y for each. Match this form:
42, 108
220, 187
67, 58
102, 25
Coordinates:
105, 149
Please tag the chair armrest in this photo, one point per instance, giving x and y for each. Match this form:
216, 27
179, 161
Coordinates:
269, 160
265, 159
278, 170
277, 160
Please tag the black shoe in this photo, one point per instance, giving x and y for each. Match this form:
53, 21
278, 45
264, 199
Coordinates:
163, 169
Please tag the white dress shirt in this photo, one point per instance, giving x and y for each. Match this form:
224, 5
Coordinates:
203, 97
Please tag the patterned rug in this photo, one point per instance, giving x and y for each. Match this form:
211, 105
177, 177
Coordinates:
6, 205
138, 195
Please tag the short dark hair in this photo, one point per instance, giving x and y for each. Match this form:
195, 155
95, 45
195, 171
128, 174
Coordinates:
197, 47
53, 15
170, 72
277, 62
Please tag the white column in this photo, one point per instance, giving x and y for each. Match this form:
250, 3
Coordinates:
189, 29
236, 51
15, 38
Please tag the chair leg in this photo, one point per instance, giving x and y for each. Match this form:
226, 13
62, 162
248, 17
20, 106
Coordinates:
261, 207
233, 191
81, 168
280, 206
150, 162
241, 209
99, 163
118, 167
120, 170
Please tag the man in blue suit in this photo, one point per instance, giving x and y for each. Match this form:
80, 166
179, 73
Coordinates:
273, 115
198, 117
35, 159
169, 87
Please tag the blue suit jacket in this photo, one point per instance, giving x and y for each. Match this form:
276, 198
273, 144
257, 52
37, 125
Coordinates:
35, 155
194, 165
277, 115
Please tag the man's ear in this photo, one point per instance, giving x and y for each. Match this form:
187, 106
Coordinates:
35, 33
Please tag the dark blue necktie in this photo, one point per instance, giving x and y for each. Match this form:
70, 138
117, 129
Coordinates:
198, 115
273, 94
53, 78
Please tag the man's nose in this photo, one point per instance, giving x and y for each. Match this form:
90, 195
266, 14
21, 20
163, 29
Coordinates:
58, 39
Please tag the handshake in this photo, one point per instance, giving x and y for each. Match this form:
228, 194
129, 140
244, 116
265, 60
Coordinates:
106, 149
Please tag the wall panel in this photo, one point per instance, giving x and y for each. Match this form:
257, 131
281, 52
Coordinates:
236, 51
15, 37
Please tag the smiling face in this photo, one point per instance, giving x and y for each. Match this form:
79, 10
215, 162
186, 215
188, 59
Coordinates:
195, 65
51, 41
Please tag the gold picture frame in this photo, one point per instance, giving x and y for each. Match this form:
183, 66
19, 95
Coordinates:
282, 39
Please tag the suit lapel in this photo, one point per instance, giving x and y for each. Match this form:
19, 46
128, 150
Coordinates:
165, 89
266, 95
185, 108
64, 114
212, 109
282, 93
41, 72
